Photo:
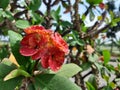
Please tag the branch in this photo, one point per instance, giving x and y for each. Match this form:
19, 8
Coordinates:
55, 2
69, 2
97, 24
96, 32
76, 17
27, 2
13, 5
94, 29
48, 17
88, 9
102, 29
10, 25
17, 15
87, 74
39, 12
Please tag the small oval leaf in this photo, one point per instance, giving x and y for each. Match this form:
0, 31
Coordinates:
16, 73
22, 24
69, 70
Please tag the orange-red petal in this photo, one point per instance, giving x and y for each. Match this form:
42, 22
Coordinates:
32, 29
44, 61
59, 42
26, 51
55, 62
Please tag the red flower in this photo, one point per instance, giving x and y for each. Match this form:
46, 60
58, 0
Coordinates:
45, 45
59, 42
102, 5
53, 59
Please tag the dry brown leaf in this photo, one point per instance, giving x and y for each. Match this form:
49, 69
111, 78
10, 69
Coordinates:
89, 49
101, 58
74, 51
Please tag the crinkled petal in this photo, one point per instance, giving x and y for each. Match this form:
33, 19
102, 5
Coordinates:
29, 45
56, 63
56, 60
35, 28
25, 51
30, 39
44, 61
59, 42
39, 54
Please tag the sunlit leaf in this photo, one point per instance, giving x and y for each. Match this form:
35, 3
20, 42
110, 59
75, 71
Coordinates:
56, 13
54, 82
106, 55
16, 73
93, 57
15, 39
94, 1
22, 24
112, 84
69, 70
90, 86
92, 80
5, 68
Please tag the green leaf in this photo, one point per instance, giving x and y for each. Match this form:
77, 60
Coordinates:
92, 15
15, 39
31, 86
108, 88
76, 38
1, 12
99, 66
112, 15
1, 15
94, 1
86, 66
54, 82
6, 61
115, 21
34, 4
8, 14
10, 84
69, 70
72, 42
36, 18
22, 24
90, 86
117, 79
65, 24
106, 78
56, 14
93, 57
92, 80
16, 73
106, 55
112, 84
3, 52
5, 68
84, 28
4, 3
